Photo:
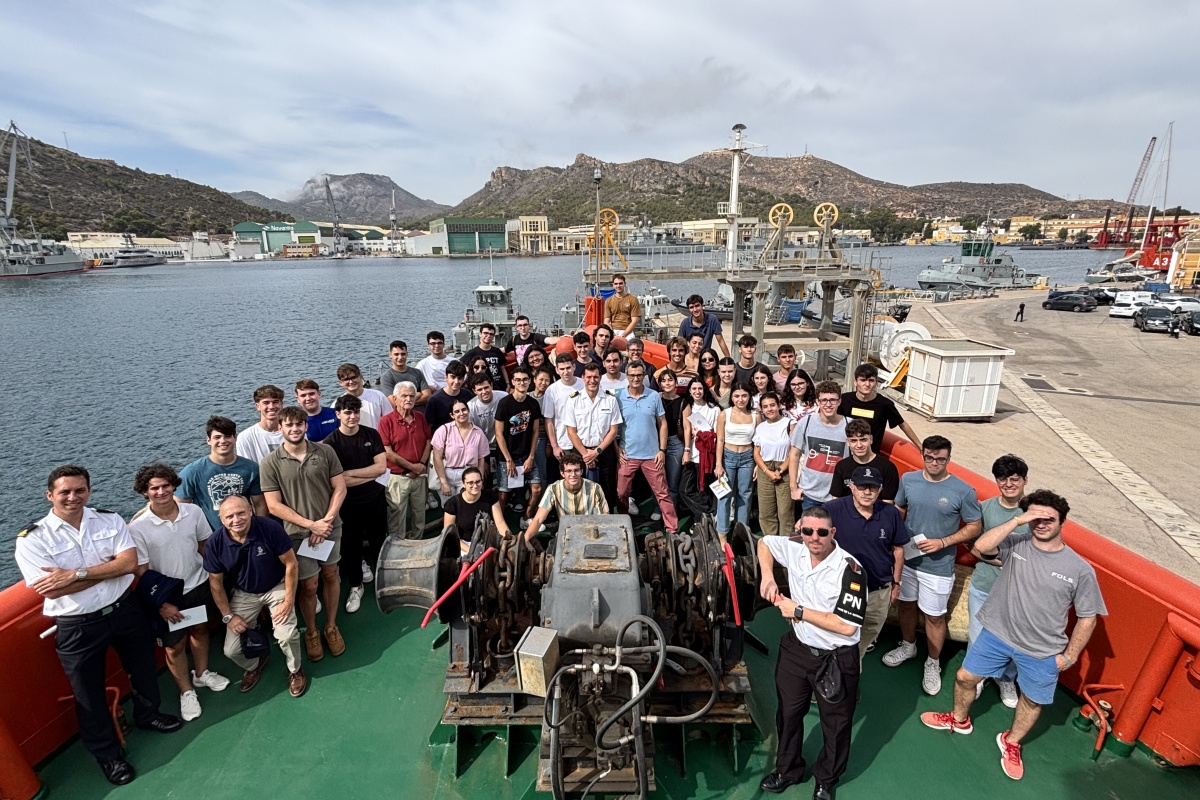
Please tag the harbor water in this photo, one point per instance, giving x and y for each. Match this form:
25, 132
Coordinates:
126, 365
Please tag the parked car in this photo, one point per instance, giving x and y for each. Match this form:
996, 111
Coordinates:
1101, 295
1127, 308
1071, 302
1153, 318
1177, 303
1191, 323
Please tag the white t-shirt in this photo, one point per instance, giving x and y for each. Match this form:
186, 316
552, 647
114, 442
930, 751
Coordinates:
773, 439
256, 444
375, 406
434, 370
170, 546
554, 403
608, 384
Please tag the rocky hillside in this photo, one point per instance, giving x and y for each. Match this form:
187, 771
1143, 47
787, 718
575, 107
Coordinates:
822, 181
662, 190
68, 192
361, 198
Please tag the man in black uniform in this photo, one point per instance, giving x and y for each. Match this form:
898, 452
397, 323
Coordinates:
82, 561
827, 608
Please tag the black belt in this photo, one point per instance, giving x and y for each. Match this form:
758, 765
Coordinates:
94, 615
819, 653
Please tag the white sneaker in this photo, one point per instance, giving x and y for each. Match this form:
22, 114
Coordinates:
318, 611
894, 658
368, 576
355, 599
189, 705
210, 680
656, 516
1008, 693
541, 528
979, 688
932, 681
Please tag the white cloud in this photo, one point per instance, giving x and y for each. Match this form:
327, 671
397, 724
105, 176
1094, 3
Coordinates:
264, 95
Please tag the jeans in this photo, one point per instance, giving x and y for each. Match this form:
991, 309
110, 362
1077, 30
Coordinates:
975, 600
739, 469
539, 457
674, 467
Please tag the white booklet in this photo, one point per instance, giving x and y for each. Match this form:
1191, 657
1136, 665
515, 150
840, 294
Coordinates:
910, 547
517, 482
720, 487
320, 552
191, 616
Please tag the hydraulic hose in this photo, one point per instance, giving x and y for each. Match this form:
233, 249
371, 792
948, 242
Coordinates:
551, 721
712, 698
555, 756
649, 685
639, 763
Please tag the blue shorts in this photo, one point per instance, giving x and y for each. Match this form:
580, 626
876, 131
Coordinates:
990, 656
531, 477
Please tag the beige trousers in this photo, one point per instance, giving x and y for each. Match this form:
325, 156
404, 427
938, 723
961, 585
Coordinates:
247, 606
406, 498
776, 512
878, 603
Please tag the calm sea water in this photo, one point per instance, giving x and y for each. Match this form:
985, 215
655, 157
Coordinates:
126, 365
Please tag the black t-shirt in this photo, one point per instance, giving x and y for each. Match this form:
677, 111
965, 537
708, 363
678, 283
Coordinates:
518, 417
466, 513
356, 452
743, 374
880, 413
437, 409
845, 468
673, 409
494, 357
519, 346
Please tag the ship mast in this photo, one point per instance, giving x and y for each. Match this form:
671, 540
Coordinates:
392, 217
732, 211
337, 224
20, 143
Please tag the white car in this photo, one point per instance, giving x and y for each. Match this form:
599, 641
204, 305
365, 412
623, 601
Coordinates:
1178, 303
1126, 308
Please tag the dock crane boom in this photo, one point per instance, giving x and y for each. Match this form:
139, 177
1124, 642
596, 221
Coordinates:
337, 223
1126, 232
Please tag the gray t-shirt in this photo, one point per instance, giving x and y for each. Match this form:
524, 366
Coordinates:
1027, 608
821, 447
484, 415
994, 515
936, 509
390, 377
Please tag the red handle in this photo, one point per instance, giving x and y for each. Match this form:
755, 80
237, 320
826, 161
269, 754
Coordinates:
462, 576
728, 570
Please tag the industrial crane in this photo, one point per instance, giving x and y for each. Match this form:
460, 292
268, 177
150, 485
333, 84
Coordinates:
1125, 234
338, 248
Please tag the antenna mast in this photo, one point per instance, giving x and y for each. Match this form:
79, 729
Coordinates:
337, 223
392, 217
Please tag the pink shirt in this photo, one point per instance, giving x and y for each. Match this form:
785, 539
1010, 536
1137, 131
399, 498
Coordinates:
460, 453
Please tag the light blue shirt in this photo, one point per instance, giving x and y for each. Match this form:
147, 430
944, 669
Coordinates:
639, 431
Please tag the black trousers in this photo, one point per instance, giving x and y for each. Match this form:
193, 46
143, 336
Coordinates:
607, 464
361, 521
83, 647
795, 672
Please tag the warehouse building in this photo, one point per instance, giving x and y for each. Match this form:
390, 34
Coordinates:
461, 236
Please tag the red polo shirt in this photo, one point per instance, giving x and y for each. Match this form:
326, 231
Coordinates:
407, 439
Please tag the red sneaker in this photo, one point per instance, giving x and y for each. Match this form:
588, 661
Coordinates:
946, 722
1010, 757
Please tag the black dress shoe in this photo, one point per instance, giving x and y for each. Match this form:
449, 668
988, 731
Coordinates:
823, 792
118, 771
776, 783
163, 723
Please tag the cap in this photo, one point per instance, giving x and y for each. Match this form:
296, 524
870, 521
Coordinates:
866, 476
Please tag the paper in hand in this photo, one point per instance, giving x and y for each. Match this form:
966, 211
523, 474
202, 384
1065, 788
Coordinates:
320, 552
191, 616
721, 487
910, 547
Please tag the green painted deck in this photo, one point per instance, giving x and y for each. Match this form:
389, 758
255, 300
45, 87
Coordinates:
362, 731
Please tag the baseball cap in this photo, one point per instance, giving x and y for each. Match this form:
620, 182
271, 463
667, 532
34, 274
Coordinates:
866, 476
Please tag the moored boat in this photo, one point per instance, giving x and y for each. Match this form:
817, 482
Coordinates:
977, 267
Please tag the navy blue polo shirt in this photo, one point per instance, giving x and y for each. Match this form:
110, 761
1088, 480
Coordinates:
266, 541
321, 424
870, 540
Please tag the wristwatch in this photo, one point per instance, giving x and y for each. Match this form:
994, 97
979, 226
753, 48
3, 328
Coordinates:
81, 574
798, 614
225, 619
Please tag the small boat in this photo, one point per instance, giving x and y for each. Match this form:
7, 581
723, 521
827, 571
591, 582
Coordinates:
977, 267
132, 255
493, 304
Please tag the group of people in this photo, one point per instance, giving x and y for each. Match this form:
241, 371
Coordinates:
280, 514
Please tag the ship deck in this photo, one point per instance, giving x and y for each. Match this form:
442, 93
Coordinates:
363, 731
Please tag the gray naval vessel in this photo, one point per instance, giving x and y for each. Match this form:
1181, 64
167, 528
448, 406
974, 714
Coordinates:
978, 266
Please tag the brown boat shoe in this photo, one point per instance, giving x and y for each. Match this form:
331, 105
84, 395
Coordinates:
337, 645
250, 677
312, 643
297, 683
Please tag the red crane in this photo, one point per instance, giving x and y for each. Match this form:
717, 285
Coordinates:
1125, 234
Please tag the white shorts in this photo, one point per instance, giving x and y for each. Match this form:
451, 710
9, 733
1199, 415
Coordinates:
932, 592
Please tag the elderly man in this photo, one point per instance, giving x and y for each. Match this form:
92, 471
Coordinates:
256, 554
407, 442
82, 560
304, 487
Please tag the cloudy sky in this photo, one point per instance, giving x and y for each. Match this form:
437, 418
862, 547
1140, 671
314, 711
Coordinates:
262, 95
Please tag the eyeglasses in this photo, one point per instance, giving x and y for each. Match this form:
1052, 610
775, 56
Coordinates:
821, 532
1014, 478
472, 483
829, 400
461, 411
936, 459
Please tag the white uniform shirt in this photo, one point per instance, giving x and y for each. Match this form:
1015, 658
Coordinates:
434, 370
554, 404
53, 543
590, 418
837, 585
170, 546
256, 444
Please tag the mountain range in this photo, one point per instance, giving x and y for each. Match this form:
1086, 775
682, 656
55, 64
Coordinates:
360, 197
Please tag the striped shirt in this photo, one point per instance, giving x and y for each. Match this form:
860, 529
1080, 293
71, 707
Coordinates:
588, 500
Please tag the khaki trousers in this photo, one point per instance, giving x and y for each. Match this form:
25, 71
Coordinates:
878, 603
406, 498
247, 606
776, 512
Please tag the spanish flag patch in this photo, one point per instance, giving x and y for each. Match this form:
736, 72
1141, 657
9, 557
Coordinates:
854, 587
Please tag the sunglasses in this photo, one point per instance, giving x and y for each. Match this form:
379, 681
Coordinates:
822, 532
